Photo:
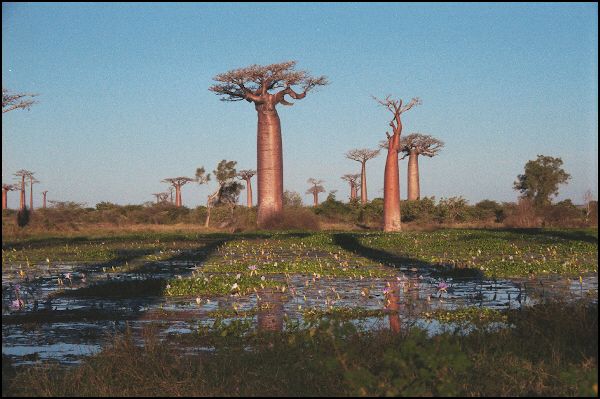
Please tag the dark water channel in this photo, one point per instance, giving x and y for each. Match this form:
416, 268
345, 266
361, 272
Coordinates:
64, 329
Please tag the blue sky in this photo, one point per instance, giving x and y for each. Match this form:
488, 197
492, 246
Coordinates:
124, 99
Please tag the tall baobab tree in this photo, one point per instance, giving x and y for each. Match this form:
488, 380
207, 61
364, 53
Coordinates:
362, 155
266, 87
22, 174
178, 182
5, 189
391, 182
32, 181
246, 174
413, 145
353, 180
12, 101
44, 193
315, 189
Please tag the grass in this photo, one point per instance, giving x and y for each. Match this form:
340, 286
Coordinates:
551, 350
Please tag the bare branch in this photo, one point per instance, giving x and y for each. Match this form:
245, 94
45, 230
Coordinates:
12, 101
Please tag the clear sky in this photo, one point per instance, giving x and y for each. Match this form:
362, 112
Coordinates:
124, 100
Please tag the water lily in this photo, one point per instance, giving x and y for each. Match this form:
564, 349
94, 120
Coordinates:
442, 286
17, 304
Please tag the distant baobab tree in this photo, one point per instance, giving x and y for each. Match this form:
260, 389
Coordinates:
5, 189
362, 156
315, 189
413, 145
246, 174
178, 182
391, 182
254, 84
12, 101
161, 197
32, 181
353, 180
22, 174
171, 189
44, 195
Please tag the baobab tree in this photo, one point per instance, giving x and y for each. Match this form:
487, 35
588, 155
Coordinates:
171, 189
22, 174
12, 101
161, 197
362, 155
227, 191
44, 199
391, 182
5, 189
32, 181
413, 145
266, 87
178, 182
246, 174
315, 189
353, 180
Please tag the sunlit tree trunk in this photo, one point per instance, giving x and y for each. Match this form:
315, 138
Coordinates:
4, 199
391, 187
177, 196
315, 199
413, 176
31, 197
363, 183
249, 192
44, 194
269, 165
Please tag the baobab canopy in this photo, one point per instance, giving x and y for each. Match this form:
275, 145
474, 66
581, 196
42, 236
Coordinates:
254, 82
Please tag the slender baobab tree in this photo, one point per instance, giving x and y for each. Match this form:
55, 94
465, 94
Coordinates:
266, 87
44, 195
412, 146
178, 182
12, 101
246, 174
391, 182
32, 181
171, 190
353, 180
22, 174
362, 156
5, 189
315, 189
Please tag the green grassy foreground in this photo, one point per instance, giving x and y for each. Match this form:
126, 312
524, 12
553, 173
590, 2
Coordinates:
551, 349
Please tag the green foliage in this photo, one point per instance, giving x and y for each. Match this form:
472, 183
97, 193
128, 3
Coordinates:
23, 217
541, 179
292, 199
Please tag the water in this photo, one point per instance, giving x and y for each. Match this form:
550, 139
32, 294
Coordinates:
66, 329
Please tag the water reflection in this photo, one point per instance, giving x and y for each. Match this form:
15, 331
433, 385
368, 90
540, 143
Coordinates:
270, 315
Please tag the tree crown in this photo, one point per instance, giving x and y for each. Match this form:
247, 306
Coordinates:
541, 179
362, 154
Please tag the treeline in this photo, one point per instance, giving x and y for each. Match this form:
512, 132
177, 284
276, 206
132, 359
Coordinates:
426, 212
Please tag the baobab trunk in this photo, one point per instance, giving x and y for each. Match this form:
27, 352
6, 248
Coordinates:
391, 187
177, 196
44, 193
269, 165
249, 192
363, 184
4, 199
413, 176
315, 199
31, 197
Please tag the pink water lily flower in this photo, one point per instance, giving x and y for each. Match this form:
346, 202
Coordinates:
17, 304
442, 286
